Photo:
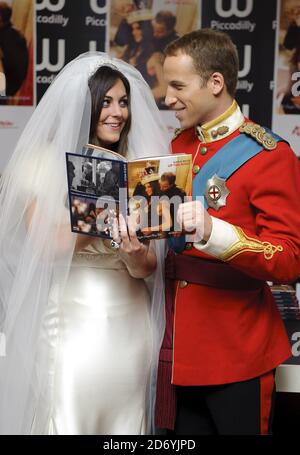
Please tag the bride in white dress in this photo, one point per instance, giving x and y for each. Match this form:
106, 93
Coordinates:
82, 330
103, 354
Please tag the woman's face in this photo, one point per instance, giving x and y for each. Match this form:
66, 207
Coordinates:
148, 189
114, 114
137, 32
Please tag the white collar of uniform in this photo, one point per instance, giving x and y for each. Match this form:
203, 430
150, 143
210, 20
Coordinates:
222, 126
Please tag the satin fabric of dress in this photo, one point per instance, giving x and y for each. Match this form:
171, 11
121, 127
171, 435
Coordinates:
100, 339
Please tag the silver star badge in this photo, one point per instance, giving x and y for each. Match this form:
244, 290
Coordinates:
216, 192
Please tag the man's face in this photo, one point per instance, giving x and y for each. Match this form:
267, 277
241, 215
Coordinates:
193, 103
164, 185
159, 30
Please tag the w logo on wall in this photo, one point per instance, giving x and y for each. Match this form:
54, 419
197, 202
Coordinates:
46, 64
234, 9
65, 29
94, 4
47, 4
250, 25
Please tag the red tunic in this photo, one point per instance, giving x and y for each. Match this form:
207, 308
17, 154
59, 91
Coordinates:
223, 336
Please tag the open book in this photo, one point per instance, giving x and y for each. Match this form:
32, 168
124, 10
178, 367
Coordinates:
102, 184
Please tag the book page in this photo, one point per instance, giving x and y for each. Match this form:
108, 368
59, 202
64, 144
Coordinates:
97, 189
156, 188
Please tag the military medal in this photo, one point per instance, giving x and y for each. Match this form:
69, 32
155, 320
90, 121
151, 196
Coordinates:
216, 192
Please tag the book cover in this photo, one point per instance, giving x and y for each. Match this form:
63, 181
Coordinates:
102, 184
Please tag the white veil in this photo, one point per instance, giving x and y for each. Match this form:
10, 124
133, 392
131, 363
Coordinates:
36, 244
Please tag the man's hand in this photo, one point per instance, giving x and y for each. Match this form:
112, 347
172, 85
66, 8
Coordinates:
194, 218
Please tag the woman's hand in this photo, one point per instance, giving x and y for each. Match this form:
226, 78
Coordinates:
139, 258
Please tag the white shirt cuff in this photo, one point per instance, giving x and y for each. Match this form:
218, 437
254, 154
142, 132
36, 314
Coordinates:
222, 237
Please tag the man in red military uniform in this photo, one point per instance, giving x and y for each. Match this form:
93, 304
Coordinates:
224, 336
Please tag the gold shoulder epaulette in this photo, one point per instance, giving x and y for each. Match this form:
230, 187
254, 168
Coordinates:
259, 134
177, 131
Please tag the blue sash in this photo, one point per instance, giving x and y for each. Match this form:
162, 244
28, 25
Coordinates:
224, 163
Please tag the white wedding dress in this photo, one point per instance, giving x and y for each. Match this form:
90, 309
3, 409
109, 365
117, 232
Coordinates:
100, 340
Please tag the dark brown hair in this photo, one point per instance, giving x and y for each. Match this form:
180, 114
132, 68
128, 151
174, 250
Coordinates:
169, 177
167, 18
100, 83
5, 12
211, 51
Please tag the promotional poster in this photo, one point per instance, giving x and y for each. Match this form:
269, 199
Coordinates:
140, 31
17, 71
17, 52
286, 104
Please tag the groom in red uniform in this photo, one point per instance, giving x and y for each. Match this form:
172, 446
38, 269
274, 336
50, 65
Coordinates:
224, 336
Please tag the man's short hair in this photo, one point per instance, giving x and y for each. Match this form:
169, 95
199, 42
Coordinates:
169, 177
167, 18
211, 51
5, 12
